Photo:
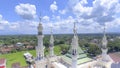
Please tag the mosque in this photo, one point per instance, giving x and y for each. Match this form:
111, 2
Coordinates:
75, 58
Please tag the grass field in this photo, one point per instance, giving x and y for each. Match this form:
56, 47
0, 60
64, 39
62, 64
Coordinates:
18, 56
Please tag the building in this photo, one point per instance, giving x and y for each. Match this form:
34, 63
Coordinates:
2, 63
5, 49
115, 57
75, 55
75, 58
17, 65
19, 44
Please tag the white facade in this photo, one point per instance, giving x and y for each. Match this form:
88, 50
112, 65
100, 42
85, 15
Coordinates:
40, 47
104, 48
74, 45
55, 61
51, 46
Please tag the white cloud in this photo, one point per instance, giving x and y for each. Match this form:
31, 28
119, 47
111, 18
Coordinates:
3, 22
113, 24
1, 27
46, 18
14, 25
0, 17
90, 19
23, 27
100, 11
26, 11
62, 11
53, 7
19, 27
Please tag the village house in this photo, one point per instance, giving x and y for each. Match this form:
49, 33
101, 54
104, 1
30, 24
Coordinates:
2, 63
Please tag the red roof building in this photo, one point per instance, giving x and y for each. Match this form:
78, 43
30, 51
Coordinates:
115, 57
2, 63
16, 65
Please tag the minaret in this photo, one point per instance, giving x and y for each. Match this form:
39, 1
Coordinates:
104, 47
40, 47
51, 44
74, 45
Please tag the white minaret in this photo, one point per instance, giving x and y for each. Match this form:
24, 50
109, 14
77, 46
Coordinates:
74, 45
51, 44
40, 47
104, 47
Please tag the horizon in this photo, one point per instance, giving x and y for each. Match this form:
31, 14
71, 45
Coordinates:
108, 33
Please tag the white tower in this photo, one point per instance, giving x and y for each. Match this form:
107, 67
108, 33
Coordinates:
40, 47
104, 47
51, 44
74, 45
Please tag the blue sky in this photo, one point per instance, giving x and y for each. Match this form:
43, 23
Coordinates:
22, 16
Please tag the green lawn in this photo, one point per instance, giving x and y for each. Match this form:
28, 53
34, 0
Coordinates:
18, 56
57, 50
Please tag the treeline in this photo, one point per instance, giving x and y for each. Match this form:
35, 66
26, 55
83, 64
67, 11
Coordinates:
63, 41
13, 39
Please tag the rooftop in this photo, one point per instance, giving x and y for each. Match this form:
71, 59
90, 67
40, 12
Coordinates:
2, 61
115, 56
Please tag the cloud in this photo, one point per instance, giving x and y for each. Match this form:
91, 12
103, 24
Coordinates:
14, 26
62, 11
46, 18
18, 27
26, 11
53, 7
0, 17
3, 23
65, 26
1, 28
91, 18
100, 11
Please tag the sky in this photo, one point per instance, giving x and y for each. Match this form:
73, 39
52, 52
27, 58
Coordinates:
22, 16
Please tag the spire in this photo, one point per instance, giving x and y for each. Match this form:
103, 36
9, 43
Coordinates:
40, 27
51, 38
40, 47
74, 29
104, 46
104, 32
51, 44
104, 40
74, 45
40, 19
75, 38
51, 31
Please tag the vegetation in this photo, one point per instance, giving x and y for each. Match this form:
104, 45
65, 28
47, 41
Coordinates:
62, 45
16, 57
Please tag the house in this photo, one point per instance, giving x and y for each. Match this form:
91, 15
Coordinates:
30, 47
94, 41
18, 65
115, 57
19, 44
4, 50
2, 63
